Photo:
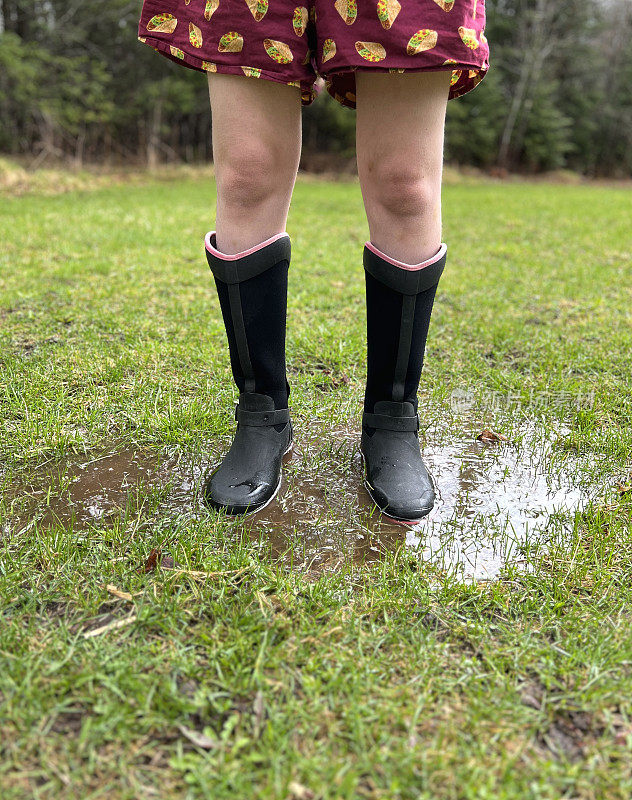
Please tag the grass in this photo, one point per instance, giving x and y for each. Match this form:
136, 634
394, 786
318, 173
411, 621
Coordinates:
232, 675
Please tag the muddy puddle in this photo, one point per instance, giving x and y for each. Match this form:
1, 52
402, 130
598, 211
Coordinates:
500, 503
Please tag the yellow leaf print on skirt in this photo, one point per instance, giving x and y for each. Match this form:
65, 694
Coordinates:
278, 51
387, 11
371, 51
175, 51
347, 9
210, 8
468, 35
257, 8
231, 42
420, 41
299, 20
195, 35
329, 49
162, 23
446, 5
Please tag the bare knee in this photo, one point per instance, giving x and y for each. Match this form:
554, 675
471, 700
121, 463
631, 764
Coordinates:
402, 191
249, 176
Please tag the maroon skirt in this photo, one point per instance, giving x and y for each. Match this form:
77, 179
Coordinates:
281, 41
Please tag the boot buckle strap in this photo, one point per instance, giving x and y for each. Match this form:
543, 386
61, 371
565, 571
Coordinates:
262, 419
388, 423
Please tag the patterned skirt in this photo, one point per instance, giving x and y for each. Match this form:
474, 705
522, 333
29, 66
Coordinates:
281, 41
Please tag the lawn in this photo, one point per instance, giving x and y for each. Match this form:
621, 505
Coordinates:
150, 648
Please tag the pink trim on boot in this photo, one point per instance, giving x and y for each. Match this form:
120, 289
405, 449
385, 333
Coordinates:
401, 264
212, 249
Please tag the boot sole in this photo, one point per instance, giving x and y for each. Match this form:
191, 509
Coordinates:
400, 520
256, 509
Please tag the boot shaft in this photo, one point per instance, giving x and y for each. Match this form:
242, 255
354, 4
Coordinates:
399, 302
252, 291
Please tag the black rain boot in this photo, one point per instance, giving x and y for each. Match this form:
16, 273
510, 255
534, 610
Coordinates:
399, 300
252, 289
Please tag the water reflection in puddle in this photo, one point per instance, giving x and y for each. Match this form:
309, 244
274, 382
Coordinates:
498, 502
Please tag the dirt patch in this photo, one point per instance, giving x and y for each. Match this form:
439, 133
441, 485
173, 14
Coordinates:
81, 490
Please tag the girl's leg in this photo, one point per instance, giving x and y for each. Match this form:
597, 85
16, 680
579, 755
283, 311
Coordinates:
399, 139
256, 128
400, 124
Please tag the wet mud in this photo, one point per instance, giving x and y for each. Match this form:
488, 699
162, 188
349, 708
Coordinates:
79, 491
499, 502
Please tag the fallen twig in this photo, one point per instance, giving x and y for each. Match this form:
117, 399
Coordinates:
200, 576
199, 739
118, 593
119, 623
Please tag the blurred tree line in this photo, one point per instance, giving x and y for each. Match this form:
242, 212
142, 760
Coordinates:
76, 84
